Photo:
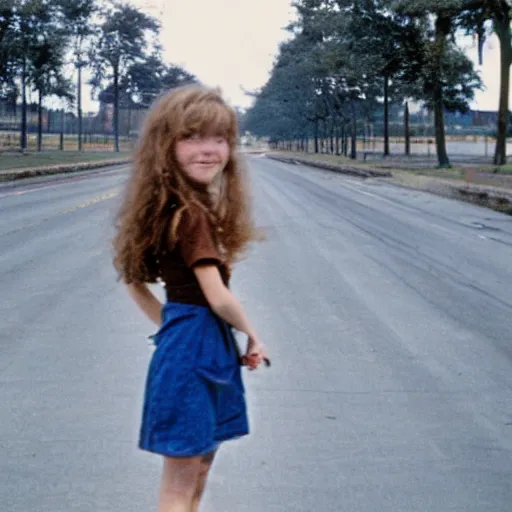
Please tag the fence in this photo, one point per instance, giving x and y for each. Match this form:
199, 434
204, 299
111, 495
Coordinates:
468, 135
474, 146
60, 129
10, 141
468, 146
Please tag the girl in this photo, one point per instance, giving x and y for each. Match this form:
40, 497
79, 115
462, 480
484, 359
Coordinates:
184, 221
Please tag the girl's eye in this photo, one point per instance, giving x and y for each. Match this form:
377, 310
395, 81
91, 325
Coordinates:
190, 136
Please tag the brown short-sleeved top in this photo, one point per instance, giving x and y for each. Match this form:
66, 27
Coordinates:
196, 245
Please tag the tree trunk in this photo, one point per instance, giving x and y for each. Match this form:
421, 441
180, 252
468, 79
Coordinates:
129, 129
353, 132
442, 31
40, 121
79, 106
407, 131
13, 102
316, 136
116, 109
386, 115
502, 29
442, 154
332, 137
23, 136
61, 141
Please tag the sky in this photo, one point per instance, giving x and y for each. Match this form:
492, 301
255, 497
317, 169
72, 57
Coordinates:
488, 98
232, 44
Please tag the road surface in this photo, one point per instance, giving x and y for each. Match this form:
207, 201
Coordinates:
387, 315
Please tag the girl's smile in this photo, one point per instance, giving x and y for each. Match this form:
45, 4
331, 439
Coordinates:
202, 158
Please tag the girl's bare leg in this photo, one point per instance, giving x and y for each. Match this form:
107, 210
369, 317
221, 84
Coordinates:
180, 480
206, 464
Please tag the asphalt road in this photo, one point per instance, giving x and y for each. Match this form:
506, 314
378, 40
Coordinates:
387, 313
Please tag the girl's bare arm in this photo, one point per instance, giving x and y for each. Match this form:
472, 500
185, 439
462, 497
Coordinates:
221, 300
146, 301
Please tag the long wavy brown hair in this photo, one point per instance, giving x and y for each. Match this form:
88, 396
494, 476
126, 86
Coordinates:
158, 193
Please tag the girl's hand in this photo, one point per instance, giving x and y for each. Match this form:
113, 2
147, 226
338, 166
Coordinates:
255, 354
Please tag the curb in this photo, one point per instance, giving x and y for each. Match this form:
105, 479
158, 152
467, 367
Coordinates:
30, 172
492, 197
345, 169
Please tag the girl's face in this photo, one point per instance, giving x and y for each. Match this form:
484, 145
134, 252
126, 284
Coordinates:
202, 157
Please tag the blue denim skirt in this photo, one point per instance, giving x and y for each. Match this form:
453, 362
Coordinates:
194, 397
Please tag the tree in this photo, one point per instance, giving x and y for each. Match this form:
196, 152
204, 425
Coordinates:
348, 68
474, 20
387, 45
501, 18
142, 83
366, 34
435, 75
175, 76
46, 57
47, 61
7, 46
31, 19
348, 57
147, 78
77, 17
284, 105
338, 47
32, 47
17, 41
122, 41
362, 56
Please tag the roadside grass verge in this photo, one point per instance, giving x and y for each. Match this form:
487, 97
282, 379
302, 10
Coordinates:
13, 161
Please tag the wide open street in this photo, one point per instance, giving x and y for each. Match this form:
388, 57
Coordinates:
387, 314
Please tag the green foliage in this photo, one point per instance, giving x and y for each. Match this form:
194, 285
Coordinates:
7, 46
46, 55
348, 58
147, 79
76, 17
39, 38
121, 40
